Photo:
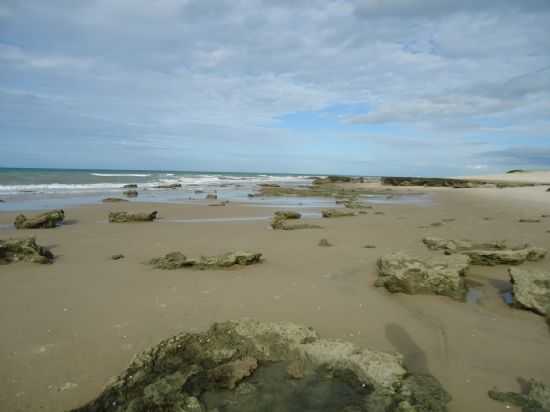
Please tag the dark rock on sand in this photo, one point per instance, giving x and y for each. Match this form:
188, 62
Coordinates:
211, 196
369, 247
428, 181
324, 243
269, 185
252, 366
126, 217
224, 203
328, 213
42, 221
529, 220
130, 186
531, 289
534, 398
516, 171
114, 200
177, 260
26, 250
287, 214
170, 186
117, 256
131, 193
487, 253
401, 273
279, 221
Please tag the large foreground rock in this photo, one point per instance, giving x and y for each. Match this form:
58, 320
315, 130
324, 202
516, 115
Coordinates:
24, 250
126, 217
534, 398
444, 275
488, 253
531, 289
42, 221
250, 366
177, 260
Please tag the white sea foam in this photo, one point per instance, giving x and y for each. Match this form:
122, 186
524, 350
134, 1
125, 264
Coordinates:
120, 175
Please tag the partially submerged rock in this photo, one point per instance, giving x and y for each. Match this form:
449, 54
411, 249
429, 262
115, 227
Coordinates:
114, 200
24, 250
534, 398
328, 213
443, 275
42, 221
487, 253
245, 366
177, 260
531, 289
126, 217
130, 186
169, 186
324, 243
131, 193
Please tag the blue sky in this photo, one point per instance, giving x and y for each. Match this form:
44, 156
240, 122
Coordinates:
425, 87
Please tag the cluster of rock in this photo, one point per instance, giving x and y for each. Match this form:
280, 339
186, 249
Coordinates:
248, 365
534, 398
281, 217
328, 213
487, 253
441, 275
24, 250
177, 260
127, 217
169, 186
44, 220
428, 181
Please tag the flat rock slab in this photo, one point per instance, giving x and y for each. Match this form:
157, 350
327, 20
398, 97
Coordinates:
24, 250
126, 217
44, 220
443, 275
177, 260
258, 366
328, 213
531, 289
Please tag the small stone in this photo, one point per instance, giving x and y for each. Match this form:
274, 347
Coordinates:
117, 256
324, 243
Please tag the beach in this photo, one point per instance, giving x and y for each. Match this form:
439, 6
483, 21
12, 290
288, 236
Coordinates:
68, 327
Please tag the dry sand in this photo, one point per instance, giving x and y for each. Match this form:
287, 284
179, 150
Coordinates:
542, 177
68, 327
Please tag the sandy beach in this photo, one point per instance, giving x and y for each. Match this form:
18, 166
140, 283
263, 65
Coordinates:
67, 328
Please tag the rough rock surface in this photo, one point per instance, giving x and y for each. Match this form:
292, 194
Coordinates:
444, 275
324, 243
279, 221
287, 214
489, 253
170, 186
336, 213
125, 217
177, 260
27, 250
531, 289
130, 186
535, 397
131, 193
44, 220
243, 366
211, 196
114, 200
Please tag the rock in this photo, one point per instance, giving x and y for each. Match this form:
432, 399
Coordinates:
324, 243
287, 214
429, 181
531, 289
131, 193
516, 171
197, 192
548, 190
26, 250
269, 185
489, 253
328, 213
211, 196
369, 247
177, 260
535, 397
170, 186
401, 273
2, 201
130, 186
378, 213
224, 203
353, 204
529, 220
117, 256
279, 221
245, 366
114, 200
125, 217
44, 220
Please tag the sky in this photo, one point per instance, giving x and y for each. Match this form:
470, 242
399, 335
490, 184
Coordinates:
371, 87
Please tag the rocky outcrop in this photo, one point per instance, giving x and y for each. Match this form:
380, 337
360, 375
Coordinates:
534, 398
244, 366
428, 181
169, 186
211, 196
280, 218
131, 193
24, 250
487, 253
114, 200
287, 214
130, 186
444, 275
328, 213
42, 221
177, 260
126, 217
269, 185
528, 220
531, 289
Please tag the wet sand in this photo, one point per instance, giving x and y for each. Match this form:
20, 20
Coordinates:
68, 327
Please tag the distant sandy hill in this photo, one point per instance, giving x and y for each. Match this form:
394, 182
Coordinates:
519, 176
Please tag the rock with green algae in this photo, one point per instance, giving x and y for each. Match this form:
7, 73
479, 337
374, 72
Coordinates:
487, 253
287, 214
280, 218
328, 213
243, 366
442, 275
44, 220
531, 289
24, 250
534, 398
127, 217
177, 260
